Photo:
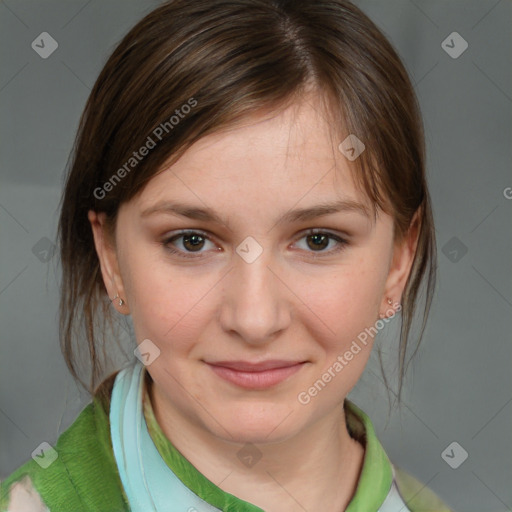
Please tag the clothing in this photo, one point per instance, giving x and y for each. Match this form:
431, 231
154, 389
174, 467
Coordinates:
115, 455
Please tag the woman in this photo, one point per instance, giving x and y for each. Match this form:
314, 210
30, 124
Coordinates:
248, 185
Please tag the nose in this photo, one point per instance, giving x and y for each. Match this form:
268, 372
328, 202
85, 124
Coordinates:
255, 304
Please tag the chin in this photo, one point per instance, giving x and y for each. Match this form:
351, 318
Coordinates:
256, 423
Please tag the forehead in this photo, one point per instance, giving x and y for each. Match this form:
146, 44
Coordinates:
267, 162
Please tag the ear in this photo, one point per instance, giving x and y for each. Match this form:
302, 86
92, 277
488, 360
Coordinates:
403, 257
107, 255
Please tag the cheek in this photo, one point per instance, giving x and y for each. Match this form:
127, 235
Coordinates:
345, 301
364, 287
165, 303
346, 308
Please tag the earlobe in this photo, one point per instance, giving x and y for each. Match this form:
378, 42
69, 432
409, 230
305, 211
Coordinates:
392, 308
107, 257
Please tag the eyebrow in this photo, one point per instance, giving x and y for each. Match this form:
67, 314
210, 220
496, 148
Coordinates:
297, 215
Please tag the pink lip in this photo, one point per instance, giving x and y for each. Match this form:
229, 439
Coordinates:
255, 375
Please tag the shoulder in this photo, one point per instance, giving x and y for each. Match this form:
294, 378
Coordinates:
24, 498
417, 496
83, 474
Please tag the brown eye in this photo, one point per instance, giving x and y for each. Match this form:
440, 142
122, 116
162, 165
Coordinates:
191, 242
319, 241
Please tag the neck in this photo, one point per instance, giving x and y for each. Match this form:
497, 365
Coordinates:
322, 464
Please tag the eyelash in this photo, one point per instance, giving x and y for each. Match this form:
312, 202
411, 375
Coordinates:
342, 243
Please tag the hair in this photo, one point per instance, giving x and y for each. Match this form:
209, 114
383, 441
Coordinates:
227, 60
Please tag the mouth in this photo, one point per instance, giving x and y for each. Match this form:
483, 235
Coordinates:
249, 375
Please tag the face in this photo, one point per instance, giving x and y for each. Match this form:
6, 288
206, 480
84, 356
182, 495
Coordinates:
261, 297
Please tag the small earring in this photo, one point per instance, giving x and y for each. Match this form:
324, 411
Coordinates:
390, 302
120, 302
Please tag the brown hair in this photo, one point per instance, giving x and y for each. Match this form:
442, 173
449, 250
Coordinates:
226, 60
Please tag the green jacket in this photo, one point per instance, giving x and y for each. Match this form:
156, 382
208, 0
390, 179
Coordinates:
84, 475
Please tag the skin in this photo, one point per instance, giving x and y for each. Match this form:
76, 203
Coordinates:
284, 305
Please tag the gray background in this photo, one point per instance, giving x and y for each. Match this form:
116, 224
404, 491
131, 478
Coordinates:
459, 387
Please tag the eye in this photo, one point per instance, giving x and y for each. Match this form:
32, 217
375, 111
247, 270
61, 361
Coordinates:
317, 240
192, 242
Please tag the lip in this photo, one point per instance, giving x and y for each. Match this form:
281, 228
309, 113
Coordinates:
259, 375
